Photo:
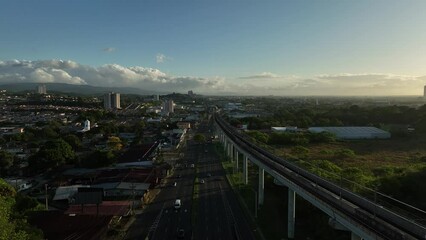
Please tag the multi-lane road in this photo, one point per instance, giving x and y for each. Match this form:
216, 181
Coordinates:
217, 214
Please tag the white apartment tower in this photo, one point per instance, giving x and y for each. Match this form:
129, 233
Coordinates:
41, 89
112, 100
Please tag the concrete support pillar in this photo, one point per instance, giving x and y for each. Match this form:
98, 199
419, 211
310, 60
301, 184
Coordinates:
261, 185
236, 159
232, 152
355, 237
291, 217
245, 170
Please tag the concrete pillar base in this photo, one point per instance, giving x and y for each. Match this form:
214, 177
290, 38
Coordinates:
291, 217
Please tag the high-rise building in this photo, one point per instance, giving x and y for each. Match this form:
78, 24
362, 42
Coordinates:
190, 93
41, 89
115, 100
112, 100
168, 106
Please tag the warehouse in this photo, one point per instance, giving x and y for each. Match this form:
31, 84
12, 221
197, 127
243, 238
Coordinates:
352, 133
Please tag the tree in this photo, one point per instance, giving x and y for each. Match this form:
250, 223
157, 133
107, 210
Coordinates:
52, 154
300, 151
114, 143
13, 224
259, 136
73, 141
200, 138
48, 133
99, 159
6, 161
344, 153
139, 128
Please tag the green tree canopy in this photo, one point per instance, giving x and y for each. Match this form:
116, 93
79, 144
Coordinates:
73, 141
52, 154
200, 138
259, 136
6, 161
114, 143
99, 159
13, 224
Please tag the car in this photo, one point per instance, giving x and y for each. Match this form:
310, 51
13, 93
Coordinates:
177, 204
209, 175
202, 181
181, 233
174, 184
192, 165
206, 151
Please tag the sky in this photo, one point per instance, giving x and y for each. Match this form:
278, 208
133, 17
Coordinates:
232, 47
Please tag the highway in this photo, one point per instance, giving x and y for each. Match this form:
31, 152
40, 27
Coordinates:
160, 220
218, 214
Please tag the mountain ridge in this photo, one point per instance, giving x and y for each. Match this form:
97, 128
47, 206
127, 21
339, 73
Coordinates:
73, 88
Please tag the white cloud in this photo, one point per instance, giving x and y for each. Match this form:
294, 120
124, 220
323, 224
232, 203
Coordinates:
161, 58
108, 49
262, 75
345, 84
114, 75
109, 75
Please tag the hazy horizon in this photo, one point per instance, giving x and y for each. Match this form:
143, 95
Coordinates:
280, 48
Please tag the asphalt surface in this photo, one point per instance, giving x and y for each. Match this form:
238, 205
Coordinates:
218, 215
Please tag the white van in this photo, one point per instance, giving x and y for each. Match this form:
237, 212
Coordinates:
177, 204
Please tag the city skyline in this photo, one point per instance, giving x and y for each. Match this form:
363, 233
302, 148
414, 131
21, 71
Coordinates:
242, 48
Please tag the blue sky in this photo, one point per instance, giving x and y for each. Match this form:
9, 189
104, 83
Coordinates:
302, 47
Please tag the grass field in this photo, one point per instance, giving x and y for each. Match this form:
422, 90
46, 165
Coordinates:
407, 152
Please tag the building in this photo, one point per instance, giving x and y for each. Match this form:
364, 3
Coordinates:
190, 93
168, 106
183, 125
351, 133
41, 89
284, 129
112, 100
424, 92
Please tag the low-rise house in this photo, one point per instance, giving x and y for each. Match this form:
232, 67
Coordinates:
183, 125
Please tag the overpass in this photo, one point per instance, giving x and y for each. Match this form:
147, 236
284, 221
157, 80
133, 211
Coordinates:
347, 210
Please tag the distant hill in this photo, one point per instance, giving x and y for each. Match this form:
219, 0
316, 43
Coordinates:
71, 88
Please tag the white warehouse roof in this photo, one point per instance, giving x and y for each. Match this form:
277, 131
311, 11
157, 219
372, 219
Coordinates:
353, 132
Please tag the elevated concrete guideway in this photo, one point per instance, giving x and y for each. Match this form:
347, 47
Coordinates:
363, 218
